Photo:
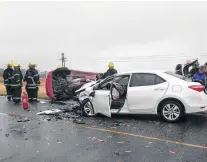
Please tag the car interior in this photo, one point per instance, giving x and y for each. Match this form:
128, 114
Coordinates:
122, 81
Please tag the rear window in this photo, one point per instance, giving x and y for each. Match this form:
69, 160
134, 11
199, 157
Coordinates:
178, 76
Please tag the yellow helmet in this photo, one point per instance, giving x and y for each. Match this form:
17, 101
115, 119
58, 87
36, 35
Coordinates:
16, 64
111, 65
10, 64
59, 66
32, 64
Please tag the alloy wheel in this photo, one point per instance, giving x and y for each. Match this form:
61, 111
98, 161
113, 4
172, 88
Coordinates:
171, 112
88, 109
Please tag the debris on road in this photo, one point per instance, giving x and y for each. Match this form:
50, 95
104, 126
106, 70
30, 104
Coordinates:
172, 152
59, 142
116, 153
42, 102
49, 112
128, 151
24, 120
67, 110
94, 138
78, 121
7, 134
121, 142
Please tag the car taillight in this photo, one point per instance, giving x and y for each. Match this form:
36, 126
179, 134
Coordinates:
198, 88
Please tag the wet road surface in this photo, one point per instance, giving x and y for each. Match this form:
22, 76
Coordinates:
24, 137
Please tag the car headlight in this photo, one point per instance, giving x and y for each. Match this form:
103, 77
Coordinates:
83, 94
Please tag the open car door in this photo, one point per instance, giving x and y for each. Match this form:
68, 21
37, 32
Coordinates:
102, 102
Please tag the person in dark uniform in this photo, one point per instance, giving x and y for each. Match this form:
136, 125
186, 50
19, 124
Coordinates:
7, 75
16, 84
195, 69
33, 81
178, 69
110, 71
21, 76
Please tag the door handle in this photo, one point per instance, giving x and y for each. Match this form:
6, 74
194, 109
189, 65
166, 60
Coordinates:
159, 89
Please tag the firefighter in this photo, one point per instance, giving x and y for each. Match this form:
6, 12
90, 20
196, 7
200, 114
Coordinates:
16, 84
110, 71
7, 75
21, 76
33, 81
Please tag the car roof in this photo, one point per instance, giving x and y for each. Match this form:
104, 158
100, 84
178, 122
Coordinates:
142, 71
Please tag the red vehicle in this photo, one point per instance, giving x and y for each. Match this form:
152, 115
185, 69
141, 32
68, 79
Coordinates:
63, 82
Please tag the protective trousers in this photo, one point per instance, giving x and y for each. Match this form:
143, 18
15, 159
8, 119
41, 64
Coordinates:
17, 94
9, 92
32, 93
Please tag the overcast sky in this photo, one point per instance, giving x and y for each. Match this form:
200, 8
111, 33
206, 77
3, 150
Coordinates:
132, 34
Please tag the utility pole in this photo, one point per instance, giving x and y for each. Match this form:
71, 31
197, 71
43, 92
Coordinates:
63, 59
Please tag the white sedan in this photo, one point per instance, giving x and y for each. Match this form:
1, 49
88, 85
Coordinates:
143, 92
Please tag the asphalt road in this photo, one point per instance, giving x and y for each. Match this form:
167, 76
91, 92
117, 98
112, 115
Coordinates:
119, 139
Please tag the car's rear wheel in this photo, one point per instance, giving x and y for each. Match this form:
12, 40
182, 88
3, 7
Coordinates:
171, 111
87, 108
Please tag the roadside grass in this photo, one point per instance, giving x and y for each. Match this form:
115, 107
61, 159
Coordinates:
42, 93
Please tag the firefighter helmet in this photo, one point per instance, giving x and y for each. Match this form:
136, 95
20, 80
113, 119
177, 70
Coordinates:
111, 64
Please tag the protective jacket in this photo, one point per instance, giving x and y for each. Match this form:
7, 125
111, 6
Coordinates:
16, 79
7, 75
109, 72
194, 71
200, 77
21, 77
32, 79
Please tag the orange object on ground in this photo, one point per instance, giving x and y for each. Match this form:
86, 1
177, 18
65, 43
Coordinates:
25, 102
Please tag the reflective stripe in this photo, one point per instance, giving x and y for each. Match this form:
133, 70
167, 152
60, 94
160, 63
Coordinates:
36, 75
9, 95
15, 85
9, 77
16, 74
16, 98
31, 87
31, 84
6, 80
18, 80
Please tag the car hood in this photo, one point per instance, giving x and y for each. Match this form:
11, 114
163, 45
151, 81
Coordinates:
92, 83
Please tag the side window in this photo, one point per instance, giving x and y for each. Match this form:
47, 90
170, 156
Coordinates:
122, 80
144, 79
159, 80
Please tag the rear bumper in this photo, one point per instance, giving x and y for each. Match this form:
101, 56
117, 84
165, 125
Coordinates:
190, 109
195, 104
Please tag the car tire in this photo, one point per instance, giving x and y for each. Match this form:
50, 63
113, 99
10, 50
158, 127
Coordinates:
87, 105
172, 111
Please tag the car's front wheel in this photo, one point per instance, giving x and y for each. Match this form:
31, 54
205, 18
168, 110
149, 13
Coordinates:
171, 111
87, 108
